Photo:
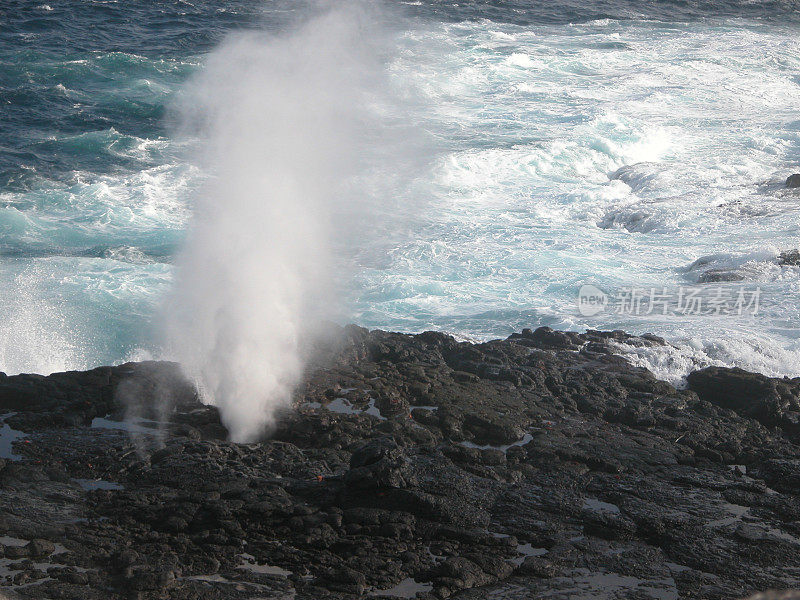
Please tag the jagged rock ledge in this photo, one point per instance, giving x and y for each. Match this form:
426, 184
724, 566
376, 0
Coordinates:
541, 465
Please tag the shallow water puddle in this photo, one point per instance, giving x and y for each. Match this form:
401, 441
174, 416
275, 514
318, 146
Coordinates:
7, 571
585, 585
408, 588
6, 540
7, 438
242, 586
436, 558
216, 578
131, 426
504, 448
98, 484
373, 410
527, 550
250, 564
343, 406
599, 506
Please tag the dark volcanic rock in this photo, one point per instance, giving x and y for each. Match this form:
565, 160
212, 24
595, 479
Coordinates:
770, 401
718, 276
790, 258
543, 465
793, 181
379, 464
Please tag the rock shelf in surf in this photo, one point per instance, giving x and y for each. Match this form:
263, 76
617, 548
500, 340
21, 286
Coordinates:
410, 466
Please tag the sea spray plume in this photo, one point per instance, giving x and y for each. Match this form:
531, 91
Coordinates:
151, 392
286, 122
37, 333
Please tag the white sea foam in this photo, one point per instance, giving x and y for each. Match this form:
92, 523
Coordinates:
36, 335
604, 165
616, 152
686, 354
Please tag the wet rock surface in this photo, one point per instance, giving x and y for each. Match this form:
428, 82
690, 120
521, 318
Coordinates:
790, 258
543, 465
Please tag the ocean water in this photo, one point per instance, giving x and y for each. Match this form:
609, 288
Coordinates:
609, 143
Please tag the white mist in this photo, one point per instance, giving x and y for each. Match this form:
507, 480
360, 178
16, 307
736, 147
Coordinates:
287, 123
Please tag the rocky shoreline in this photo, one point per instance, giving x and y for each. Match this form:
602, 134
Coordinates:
543, 465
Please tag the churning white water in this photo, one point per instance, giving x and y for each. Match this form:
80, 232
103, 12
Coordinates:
639, 152
613, 153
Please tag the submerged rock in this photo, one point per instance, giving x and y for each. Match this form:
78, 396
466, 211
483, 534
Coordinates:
542, 465
770, 401
790, 258
718, 276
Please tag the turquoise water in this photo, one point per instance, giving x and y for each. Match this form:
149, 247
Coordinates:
571, 146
